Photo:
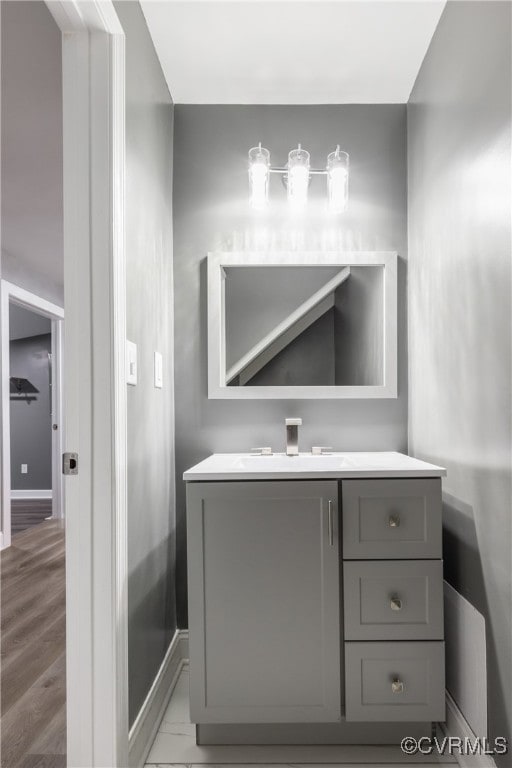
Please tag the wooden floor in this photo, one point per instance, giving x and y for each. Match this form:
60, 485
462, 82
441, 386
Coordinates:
33, 674
26, 513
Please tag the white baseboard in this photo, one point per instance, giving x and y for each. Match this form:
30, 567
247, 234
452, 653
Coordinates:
38, 494
457, 726
147, 722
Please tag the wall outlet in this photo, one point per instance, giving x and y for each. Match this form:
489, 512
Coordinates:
131, 363
24, 469
159, 370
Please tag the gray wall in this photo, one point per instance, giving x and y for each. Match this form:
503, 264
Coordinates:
151, 519
31, 429
23, 323
459, 307
31, 117
211, 212
359, 328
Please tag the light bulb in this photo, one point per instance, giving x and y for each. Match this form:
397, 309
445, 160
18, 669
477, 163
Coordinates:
259, 171
298, 177
337, 180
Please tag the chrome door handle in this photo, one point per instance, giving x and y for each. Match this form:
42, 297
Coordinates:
397, 686
330, 523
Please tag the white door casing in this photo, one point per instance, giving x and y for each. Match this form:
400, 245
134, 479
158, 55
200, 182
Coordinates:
95, 385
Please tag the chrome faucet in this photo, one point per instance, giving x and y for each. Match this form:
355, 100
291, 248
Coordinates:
292, 436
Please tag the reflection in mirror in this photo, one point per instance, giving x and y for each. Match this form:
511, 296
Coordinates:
304, 326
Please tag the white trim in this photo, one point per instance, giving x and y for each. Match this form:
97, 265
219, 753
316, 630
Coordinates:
217, 388
147, 722
95, 405
456, 726
58, 435
14, 294
32, 494
85, 16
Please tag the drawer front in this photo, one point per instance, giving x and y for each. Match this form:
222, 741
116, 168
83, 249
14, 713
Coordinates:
394, 681
394, 600
392, 519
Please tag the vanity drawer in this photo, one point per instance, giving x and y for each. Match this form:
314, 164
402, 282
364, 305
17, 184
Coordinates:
391, 519
394, 681
393, 600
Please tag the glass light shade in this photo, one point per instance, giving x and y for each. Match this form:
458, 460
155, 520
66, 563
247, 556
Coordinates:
259, 172
298, 177
337, 180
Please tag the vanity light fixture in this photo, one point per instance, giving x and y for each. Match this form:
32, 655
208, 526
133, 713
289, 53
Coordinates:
297, 175
337, 180
259, 169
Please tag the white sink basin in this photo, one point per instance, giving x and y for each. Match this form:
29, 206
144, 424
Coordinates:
280, 462
245, 466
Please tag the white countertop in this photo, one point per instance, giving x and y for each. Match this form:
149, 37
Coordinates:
278, 466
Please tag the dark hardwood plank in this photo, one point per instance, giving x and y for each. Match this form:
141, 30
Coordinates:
31, 660
33, 676
26, 513
52, 741
44, 761
32, 714
30, 623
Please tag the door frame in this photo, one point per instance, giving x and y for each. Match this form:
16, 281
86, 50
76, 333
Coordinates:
93, 68
13, 294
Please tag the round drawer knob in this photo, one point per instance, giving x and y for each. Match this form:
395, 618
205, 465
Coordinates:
396, 603
397, 686
394, 521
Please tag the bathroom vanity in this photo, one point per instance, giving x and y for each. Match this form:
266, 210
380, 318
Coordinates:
315, 598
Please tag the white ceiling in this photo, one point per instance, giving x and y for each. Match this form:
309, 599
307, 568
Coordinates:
289, 51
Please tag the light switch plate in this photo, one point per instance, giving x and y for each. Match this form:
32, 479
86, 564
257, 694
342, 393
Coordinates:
159, 382
131, 363
24, 469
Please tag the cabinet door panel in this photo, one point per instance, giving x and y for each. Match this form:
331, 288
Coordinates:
264, 602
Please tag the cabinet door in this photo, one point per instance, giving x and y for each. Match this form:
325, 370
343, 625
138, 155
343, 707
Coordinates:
263, 581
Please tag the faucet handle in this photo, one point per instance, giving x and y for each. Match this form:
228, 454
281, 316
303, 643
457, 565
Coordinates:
265, 451
293, 422
318, 450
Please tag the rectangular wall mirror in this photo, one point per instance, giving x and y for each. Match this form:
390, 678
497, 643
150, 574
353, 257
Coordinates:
302, 325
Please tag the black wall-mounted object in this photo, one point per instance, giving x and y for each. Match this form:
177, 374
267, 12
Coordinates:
22, 389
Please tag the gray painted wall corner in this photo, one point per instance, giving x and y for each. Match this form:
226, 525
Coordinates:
151, 488
459, 173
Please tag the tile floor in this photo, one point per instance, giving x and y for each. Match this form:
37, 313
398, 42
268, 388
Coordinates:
175, 745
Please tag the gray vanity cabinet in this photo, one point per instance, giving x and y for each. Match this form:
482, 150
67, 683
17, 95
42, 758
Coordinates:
264, 618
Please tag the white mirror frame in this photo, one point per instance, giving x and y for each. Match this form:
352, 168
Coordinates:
216, 322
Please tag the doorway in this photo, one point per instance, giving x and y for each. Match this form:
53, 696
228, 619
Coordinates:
31, 413
94, 686
32, 488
